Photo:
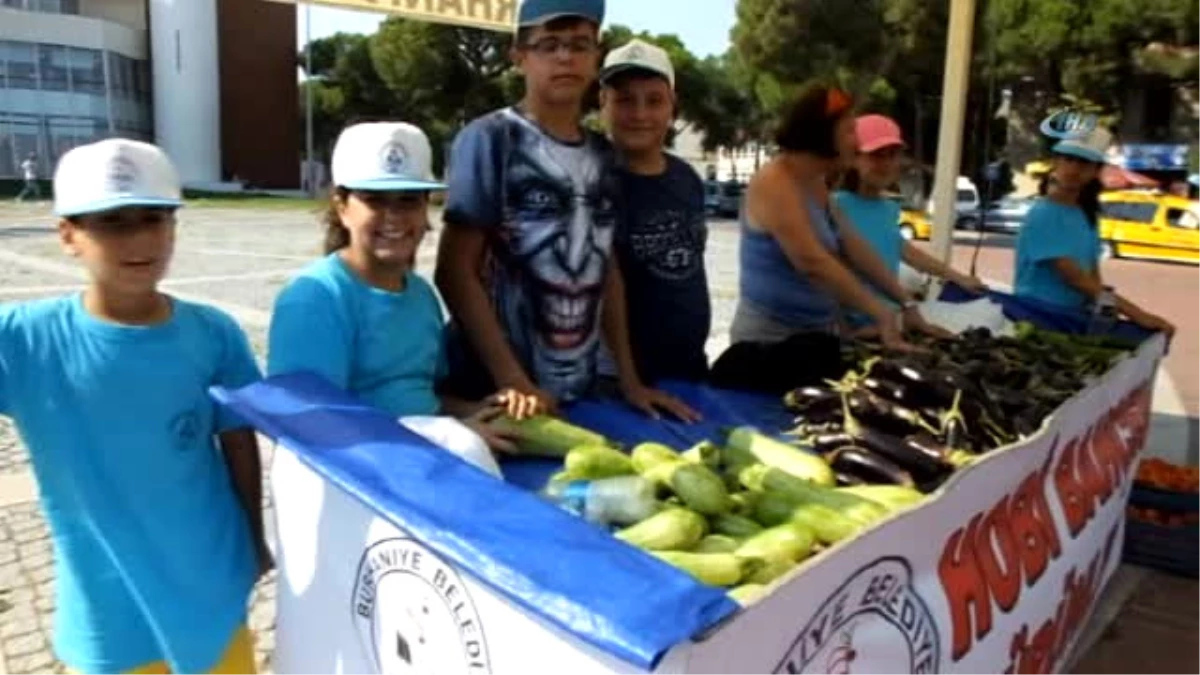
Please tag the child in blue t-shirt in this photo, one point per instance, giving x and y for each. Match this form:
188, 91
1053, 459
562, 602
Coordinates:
1058, 248
361, 317
151, 491
876, 217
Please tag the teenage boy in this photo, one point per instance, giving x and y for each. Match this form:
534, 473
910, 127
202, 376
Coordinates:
525, 263
152, 492
661, 231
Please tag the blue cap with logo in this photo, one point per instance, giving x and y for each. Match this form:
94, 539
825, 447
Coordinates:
538, 12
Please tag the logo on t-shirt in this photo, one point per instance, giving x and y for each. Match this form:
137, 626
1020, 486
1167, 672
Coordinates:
414, 614
393, 159
668, 245
874, 622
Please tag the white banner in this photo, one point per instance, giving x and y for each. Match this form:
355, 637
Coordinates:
998, 573
496, 15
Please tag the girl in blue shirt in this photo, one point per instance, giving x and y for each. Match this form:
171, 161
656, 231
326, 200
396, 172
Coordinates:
361, 317
1058, 249
877, 218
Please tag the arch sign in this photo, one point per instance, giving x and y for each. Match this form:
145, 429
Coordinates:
497, 15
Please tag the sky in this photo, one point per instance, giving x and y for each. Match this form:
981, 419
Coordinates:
704, 34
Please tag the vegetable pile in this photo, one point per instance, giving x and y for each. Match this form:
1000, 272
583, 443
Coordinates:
737, 516
912, 419
1163, 476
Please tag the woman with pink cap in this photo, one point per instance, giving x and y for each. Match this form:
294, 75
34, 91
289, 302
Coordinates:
876, 217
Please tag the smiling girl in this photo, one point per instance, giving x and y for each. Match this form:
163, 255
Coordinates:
361, 317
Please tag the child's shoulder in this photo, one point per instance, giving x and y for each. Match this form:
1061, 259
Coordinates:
35, 314
205, 316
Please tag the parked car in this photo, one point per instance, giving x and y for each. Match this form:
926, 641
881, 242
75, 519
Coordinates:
723, 199
966, 204
1006, 214
1149, 225
914, 224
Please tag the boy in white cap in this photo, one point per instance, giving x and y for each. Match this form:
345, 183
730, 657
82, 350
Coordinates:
362, 318
661, 231
525, 262
151, 491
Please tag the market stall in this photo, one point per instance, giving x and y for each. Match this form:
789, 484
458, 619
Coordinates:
396, 556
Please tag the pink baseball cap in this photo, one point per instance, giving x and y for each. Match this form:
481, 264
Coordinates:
876, 132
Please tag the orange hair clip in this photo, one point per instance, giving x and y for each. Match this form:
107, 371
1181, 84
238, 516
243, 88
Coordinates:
836, 102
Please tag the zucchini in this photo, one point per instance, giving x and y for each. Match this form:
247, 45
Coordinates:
705, 453
742, 503
716, 543
772, 508
790, 541
738, 527
894, 497
699, 488
673, 528
593, 462
780, 455
714, 569
827, 524
769, 570
747, 594
770, 479
546, 436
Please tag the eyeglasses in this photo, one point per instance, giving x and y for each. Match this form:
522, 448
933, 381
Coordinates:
551, 45
837, 102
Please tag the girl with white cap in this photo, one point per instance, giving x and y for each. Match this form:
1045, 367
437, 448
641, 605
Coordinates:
361, 317
877, 218
1058, 249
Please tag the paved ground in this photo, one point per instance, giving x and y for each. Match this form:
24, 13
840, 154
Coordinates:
239, 259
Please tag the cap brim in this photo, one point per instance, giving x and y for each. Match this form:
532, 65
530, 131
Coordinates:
103, 205
1070, 149
547, 18
393, 185
881, 144
616, 69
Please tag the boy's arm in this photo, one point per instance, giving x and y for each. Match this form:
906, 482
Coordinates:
615, 323
240, 449
922, 261
474, 206
239, 445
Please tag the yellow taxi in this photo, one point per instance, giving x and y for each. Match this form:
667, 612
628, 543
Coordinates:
914, 225
1149, 225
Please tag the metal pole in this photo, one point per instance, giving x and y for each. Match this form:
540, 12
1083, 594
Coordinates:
950, 132
308, 101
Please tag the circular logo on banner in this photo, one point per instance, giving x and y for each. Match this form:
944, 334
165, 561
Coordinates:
393, 158
1069, 124
414, 614
874, 622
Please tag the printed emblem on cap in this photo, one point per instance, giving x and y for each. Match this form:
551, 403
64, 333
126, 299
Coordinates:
636, 52
393, 158
122, 174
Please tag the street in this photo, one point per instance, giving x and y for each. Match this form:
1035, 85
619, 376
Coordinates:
238, 259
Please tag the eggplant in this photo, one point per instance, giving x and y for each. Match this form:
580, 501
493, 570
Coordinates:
806, 397
871, 467
847, 479
895, 449
823, 444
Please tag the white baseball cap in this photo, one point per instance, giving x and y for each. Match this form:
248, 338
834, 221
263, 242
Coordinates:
638, 55
113, 174
1092, 146
383, 156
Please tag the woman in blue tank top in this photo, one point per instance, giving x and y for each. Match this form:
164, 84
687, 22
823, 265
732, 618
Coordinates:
800, 256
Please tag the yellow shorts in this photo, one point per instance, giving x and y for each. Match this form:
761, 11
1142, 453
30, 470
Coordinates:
238, 658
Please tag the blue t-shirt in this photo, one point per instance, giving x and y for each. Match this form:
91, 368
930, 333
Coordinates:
153, 553
550, 213
660, 244
384, 347
1052, 230
877, 220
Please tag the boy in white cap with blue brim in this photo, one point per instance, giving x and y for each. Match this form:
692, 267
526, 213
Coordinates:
152, 492
362, 318
661, 233
525, 262
1058, 248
